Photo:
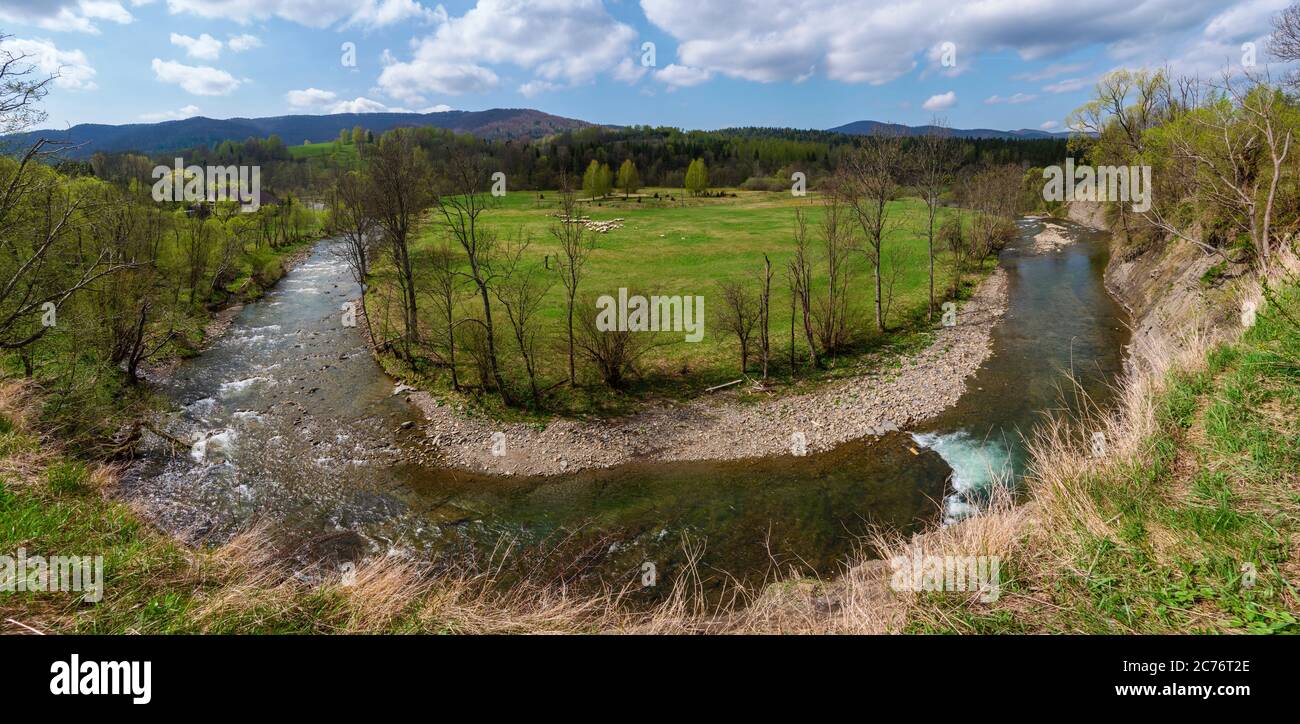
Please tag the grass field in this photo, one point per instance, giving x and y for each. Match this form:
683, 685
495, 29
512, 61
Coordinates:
344, 153
686, 247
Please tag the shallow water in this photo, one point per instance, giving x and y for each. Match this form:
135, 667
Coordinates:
292, 422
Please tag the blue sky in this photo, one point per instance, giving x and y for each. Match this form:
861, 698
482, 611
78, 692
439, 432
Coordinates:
802, 63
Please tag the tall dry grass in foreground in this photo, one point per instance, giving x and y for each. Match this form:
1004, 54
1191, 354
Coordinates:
1048, 544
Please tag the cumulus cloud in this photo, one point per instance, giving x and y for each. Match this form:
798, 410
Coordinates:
560, 42
1048, 125
534, 88
681, 76
241, 43
200, 80
187, 112
628, 71
71, 68
781, 40
366, 14
65, 15
204, 47
309, 98
361, 105
324, 101
940, 102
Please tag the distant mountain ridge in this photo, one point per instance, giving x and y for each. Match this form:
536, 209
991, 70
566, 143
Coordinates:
863, 128
497, 123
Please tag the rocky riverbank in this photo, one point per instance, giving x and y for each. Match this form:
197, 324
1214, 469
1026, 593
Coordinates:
721, 427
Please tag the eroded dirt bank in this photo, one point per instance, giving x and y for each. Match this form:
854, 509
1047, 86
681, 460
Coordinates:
1171, 289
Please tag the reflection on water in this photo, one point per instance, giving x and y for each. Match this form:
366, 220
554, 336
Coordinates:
293, 422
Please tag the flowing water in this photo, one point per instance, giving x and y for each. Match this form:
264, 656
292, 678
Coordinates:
294, 424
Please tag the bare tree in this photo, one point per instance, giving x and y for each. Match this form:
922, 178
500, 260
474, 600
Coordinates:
765, 315
575, 247
799, 275
521, 291
613, 353
445, 293
1284, 43
867, 185
351, 219
952, 237
935, 160
1237, 145
994, 195
738, 314
459, 200
831, 312
21, 89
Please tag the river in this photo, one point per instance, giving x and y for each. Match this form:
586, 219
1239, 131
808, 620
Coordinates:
296, 426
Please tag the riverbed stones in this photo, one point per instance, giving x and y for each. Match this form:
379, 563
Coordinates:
718, 427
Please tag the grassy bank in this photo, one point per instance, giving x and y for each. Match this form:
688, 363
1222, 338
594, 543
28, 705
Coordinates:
1187, 521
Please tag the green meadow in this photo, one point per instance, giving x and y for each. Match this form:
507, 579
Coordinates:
343, 153
686, 246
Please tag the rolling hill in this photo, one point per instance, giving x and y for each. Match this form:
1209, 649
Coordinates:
863, 128
497, 123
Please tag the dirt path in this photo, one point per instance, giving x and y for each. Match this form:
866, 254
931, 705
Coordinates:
721, 428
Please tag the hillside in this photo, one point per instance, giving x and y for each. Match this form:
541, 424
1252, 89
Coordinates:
497, 123
863, 128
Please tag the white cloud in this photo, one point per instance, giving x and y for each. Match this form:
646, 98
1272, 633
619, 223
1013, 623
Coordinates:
366, 14
940, 102
309, 98
628, 71
74, 16
440, 108
200, 80
361, 105
1050, 71
1068, 86
1048, 126
681, 76
382, 13
1012, 99
534, 88
241, 43
204, 47
561, 42
409, 80
324, 101
186, 112
877, 41
71, 66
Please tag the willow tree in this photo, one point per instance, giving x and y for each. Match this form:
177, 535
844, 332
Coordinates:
697, 177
